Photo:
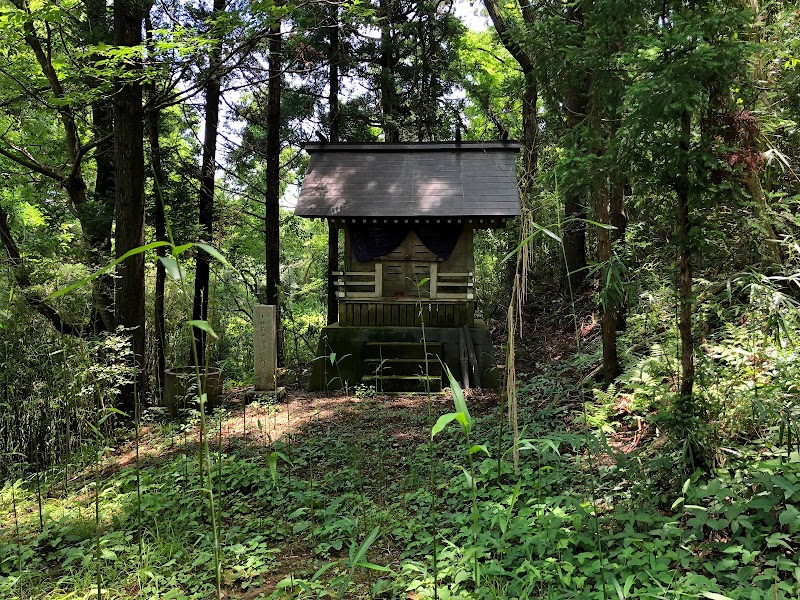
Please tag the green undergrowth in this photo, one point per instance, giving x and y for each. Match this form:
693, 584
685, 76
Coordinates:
359, 512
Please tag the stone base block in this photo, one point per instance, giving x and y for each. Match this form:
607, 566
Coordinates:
343, 353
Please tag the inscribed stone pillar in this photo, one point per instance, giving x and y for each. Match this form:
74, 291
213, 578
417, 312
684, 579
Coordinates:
265, 354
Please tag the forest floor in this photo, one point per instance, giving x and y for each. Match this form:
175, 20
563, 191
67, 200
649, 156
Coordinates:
352, 497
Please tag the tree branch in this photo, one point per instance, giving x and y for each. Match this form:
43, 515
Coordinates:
24, 282
523, 58
33, 164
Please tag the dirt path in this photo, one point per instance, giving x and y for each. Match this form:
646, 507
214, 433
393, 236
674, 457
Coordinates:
399, 421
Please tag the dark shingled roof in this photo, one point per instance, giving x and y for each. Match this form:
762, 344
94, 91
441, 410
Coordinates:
453, 179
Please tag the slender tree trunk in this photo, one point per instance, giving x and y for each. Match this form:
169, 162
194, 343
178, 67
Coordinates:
617, 215
685, 405
574, 200
619, 220
530, 131
272, 214
206, 196
575, 107
161, 236
129, 162
609, 307
391, 129
98, 212
333, 107
160, 223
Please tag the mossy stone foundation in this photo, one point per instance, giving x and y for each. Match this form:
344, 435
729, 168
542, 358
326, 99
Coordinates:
356, 349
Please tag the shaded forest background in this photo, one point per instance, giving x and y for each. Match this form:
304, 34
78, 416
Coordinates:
657, 174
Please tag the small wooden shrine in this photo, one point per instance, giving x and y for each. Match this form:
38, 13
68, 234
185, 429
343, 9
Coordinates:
408, 212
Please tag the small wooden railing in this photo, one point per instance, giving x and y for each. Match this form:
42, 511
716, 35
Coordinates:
367, 285
451, 286
359, 285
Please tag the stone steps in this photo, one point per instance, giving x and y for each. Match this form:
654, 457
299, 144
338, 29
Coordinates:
403, 383
401, 366
402, 350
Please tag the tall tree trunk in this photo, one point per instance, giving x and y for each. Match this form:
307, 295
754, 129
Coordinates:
619, 220
160, 223
206, 196
685, 406
609, 306
98, 212
574, 200
333, 108
530, 131
391, 128
129, 210
575, 106
273, 172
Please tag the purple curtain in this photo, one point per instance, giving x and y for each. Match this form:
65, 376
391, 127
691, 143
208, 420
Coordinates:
369, 241
439, 239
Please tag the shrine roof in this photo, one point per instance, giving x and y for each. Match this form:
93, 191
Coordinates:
434, 179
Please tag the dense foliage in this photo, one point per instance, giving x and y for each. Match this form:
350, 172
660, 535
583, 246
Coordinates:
648, 300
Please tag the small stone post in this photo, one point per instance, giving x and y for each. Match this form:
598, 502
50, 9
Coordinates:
265, 356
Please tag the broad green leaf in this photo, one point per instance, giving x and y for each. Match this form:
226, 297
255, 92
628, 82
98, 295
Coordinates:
539, 229
205, 326
172, 267
374, 567
443, 422
715, 596
273, 467
106, 269
214, 252
110, 410
595, 223
365, 546
459, 401
469, 478
178, 250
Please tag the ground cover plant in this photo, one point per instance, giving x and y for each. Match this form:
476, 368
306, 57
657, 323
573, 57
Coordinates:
387, 497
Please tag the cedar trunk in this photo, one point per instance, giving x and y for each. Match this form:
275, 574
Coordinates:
272, 197
574, 200
685, 405
609, 319
160, 223
129, 209
391, 129
206, 199
619, 220
97, 215
333, 107
530, 128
